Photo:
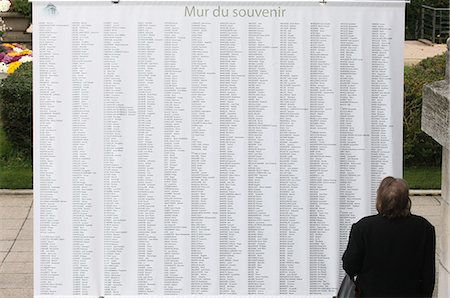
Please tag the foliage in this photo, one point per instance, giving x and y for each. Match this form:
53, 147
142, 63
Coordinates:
16, 109
16, 171
413, 21
419, 149
22, 6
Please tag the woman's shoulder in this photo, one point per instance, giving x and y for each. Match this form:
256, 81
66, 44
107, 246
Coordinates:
421, 220
379, 219
368, 219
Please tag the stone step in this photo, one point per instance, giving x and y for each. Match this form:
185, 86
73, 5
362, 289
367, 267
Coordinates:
19, 37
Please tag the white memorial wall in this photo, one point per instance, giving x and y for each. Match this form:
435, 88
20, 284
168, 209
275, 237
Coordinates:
218, 148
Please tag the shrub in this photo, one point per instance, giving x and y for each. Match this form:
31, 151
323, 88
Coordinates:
419, 149
21, 6
16, 109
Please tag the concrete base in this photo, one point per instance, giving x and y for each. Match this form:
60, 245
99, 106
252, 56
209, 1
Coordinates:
443, 246
436, 123
445, 189
436, 112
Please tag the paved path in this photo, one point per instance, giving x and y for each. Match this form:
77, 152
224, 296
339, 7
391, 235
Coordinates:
430, 208
16, 234
16, 246
415, 51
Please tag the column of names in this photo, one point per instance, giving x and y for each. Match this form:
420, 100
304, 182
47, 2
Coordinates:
233, 162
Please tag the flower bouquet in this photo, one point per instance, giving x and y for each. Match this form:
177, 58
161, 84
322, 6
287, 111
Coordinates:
13, 56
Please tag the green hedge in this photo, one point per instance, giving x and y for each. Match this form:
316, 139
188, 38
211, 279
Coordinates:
16, 93
419, 149
21, 6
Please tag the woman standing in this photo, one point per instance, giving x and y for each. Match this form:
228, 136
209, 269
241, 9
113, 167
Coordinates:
392, 254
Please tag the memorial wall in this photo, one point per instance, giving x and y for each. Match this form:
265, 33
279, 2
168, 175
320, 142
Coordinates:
209, 148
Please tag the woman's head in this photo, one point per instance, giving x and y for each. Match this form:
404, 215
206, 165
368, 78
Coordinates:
393, 198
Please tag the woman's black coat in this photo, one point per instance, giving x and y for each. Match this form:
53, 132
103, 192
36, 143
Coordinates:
392, 257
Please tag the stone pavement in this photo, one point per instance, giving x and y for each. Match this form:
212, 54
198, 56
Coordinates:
430, 208
415, 51
16, 234
16, 244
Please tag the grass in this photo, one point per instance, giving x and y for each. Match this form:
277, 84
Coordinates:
423, 178
16, 172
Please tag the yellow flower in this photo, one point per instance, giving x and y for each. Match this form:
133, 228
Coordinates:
11, 45
13, 66
24, 52
17, 48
